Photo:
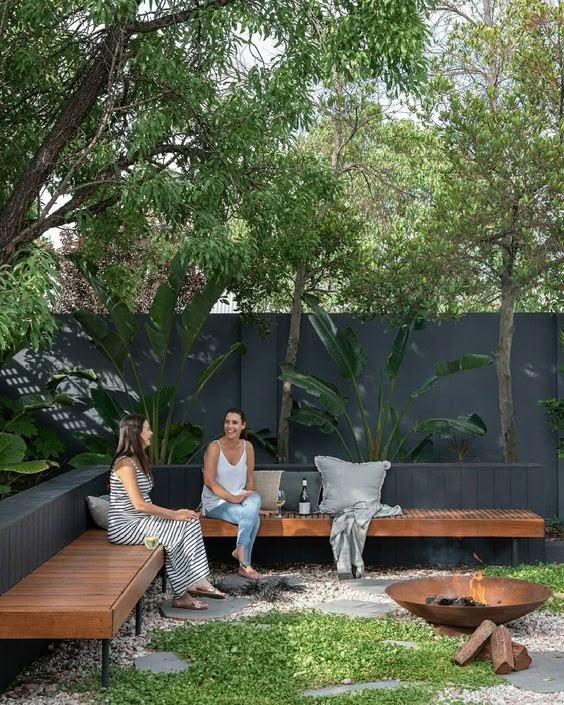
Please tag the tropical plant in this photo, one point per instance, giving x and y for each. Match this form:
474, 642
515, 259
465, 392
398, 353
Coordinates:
385, 439
27, 448
175, 440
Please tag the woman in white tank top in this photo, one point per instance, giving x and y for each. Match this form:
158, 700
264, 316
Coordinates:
229, 491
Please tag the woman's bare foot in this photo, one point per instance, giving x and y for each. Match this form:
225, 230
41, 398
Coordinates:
247, 571
188, 603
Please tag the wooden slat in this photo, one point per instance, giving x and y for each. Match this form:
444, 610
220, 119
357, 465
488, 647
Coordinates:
87, 590
413, 522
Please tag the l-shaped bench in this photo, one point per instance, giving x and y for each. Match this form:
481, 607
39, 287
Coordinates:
88, 589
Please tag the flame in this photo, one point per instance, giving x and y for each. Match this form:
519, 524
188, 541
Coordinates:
477, 589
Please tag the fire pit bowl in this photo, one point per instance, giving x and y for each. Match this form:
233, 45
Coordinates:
506, 599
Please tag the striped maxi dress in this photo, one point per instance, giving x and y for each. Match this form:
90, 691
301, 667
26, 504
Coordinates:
185, 554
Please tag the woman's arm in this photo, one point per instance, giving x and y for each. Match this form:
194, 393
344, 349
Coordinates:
250, 486
126, 473
210, 477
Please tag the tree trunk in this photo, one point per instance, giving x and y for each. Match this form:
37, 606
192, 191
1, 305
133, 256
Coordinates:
75, 110
503, 368
290, 358
283, 436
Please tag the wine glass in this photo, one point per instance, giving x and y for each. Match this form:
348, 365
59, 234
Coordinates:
280, 499
151, 542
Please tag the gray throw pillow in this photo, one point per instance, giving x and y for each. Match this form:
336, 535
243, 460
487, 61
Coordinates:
99, 508
345, 484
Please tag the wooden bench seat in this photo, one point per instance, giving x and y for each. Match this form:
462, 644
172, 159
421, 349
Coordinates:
456, 523
85, 591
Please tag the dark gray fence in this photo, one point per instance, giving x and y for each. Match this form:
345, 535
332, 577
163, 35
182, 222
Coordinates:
251, 381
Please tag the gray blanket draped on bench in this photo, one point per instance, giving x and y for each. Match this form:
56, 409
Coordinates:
348, 535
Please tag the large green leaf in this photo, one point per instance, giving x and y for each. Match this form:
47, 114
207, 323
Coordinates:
12, 449
109, 343
27, 467
197, 311
343, 346
308, 415
469, 361
185, 439
329, 396
422, 452
214, 366
123, 319
162, 313
425, 387
83, 459
107, 408
157, 403
67, 373
397, 352
471, 424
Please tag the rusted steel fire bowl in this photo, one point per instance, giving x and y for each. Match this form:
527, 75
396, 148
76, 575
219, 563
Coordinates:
506, 599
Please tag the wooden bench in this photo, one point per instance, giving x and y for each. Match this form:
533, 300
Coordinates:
85, 591
456, 523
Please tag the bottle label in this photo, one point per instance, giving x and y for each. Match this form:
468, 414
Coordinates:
304, 508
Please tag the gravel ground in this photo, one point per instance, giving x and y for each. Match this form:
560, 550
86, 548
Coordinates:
39, 685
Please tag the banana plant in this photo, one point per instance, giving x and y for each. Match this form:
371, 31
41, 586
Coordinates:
385, 438
22, 442
175, 439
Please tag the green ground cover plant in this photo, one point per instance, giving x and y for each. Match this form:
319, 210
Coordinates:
255, 664
551, 574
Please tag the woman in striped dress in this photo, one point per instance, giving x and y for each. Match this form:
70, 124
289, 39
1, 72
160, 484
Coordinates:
133, 517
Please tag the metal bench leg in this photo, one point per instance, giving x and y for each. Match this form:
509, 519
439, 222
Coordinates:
105, 663
139, 617
163, 579
515, 551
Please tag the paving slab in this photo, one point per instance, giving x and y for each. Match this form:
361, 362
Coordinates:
544, 675
404, 644
338, 689
216, 609
162, 662
356, 608
376, 586
235, 581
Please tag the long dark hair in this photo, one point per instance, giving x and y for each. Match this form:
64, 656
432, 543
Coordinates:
241, 413
129, 442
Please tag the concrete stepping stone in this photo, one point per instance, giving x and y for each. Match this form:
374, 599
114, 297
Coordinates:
162, 662
404, 644
216, 609
376, 586
339, 689
544, 675
356, 608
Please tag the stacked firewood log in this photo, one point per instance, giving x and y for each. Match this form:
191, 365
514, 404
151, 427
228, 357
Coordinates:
494, 643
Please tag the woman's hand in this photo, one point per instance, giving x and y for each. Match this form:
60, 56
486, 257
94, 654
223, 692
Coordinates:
186, 515
238, 498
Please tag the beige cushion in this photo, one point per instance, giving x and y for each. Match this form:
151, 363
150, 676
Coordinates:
99, 508
267, 484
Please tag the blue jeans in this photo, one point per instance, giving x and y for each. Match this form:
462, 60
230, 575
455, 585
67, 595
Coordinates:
245, 516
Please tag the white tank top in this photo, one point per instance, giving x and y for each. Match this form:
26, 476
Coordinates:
232, 478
